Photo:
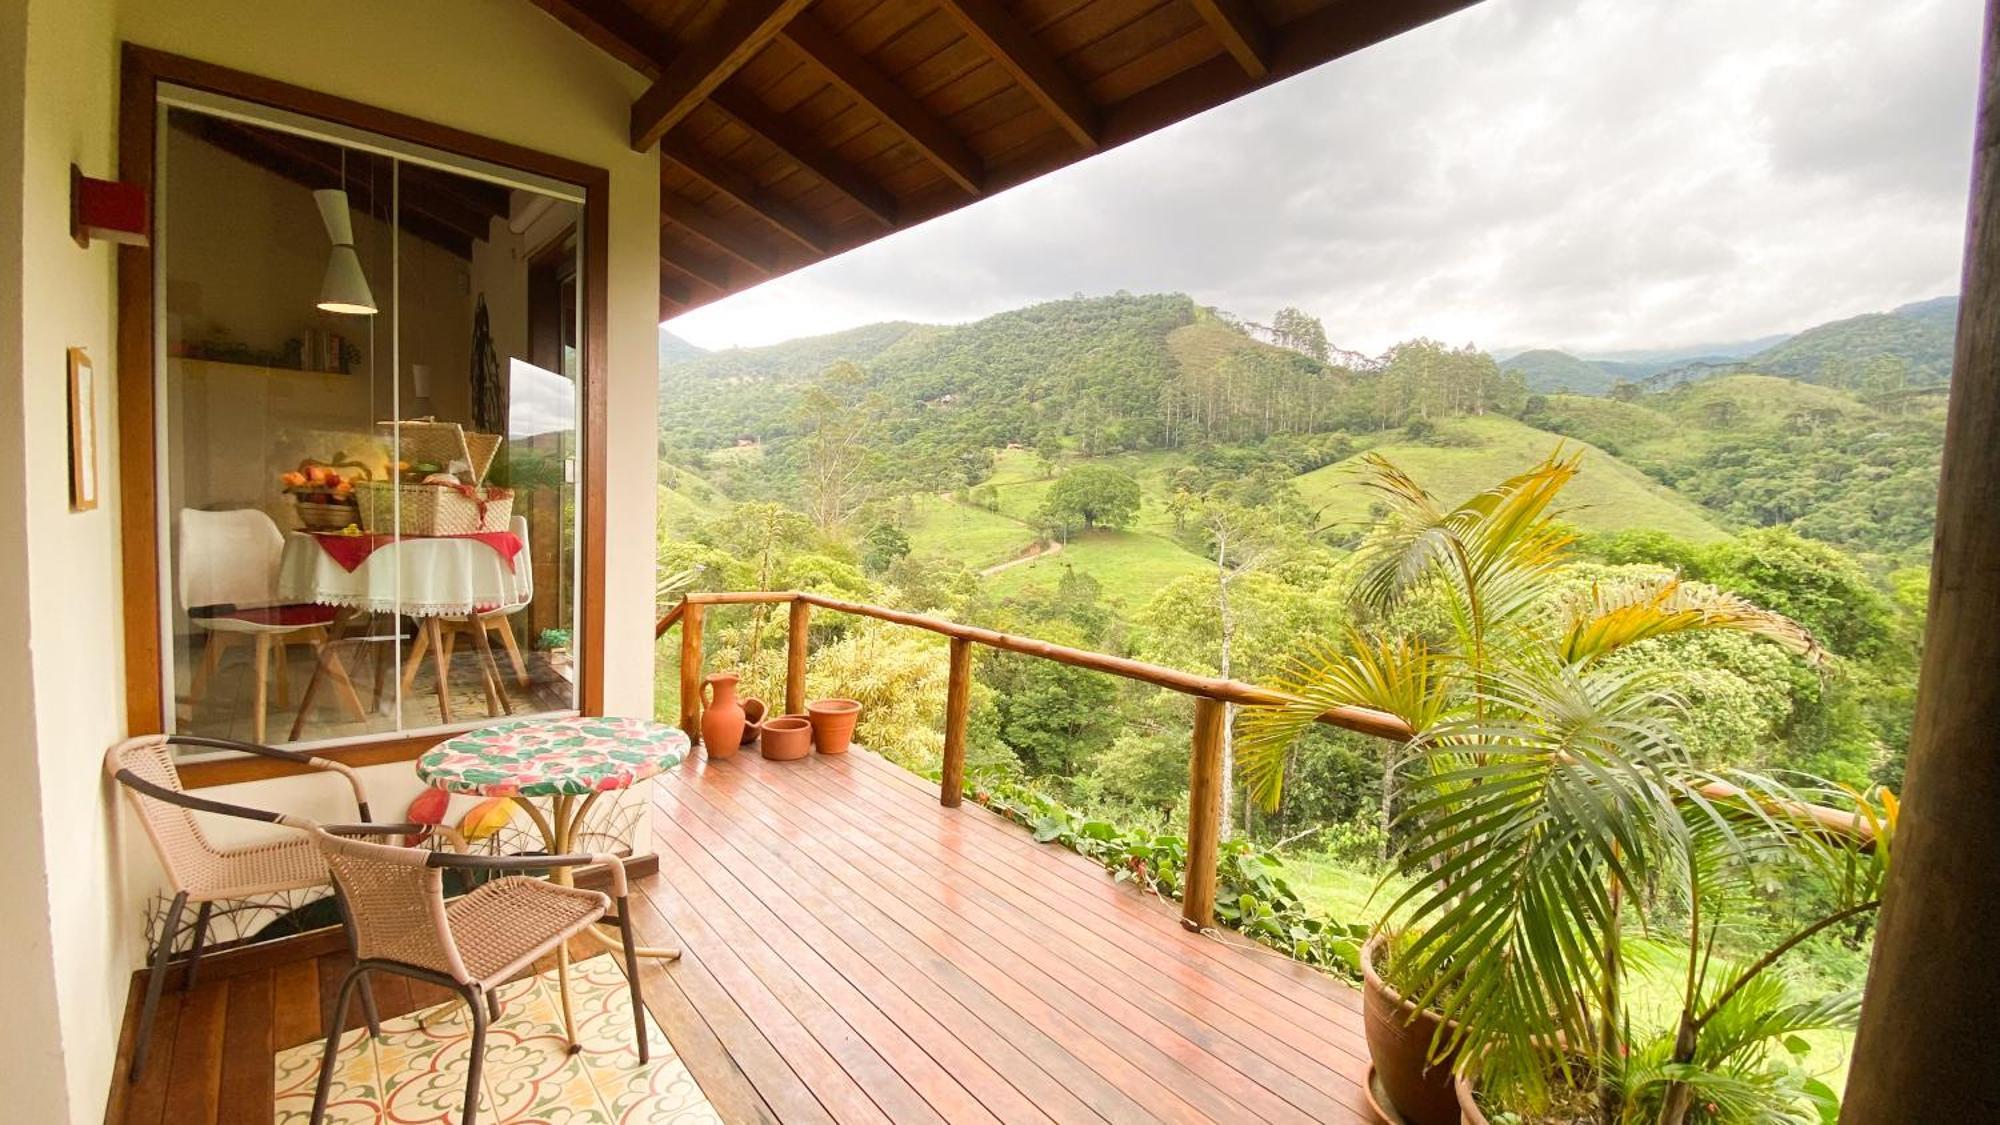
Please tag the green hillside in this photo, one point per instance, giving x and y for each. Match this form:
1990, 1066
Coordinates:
1473, 453
1547, 370
974, 536
1131, 567
1878, 351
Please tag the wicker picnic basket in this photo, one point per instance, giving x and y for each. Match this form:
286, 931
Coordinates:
467, 506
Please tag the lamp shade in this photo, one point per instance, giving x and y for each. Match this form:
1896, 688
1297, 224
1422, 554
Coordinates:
344, 288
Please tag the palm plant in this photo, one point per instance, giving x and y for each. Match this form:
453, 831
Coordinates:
1548, 788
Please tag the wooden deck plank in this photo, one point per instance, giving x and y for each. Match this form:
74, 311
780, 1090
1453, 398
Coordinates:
248, 1088
1155, 1079
1032, 1060
743, 876
295, 1017
1309, 1027
1164, 991
195, 1084
855, 952
1212, 1071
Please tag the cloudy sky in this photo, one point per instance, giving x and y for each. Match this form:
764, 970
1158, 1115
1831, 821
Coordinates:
1589, 174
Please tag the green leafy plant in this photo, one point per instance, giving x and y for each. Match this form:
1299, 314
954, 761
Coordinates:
1547, 792
1251, 895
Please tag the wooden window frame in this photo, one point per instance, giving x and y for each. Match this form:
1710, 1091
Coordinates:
143, 70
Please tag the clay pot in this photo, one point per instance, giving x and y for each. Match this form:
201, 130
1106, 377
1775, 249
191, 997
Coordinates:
721, 716
753, 720
787, 738
1399, 1046
833, 723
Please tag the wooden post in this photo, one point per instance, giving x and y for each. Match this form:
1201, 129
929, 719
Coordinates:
1204, 815
1927, 1050
795, 658
957, 702
691, 673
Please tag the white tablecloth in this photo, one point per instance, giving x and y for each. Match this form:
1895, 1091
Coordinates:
415, 577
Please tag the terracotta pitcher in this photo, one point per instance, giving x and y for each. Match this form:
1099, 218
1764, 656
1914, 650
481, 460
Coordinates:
722, 718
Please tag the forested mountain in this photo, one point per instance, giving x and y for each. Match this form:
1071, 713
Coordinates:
675, 350
1547, 370
1910, 347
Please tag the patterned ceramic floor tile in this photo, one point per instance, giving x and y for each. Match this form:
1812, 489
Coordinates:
415, 1073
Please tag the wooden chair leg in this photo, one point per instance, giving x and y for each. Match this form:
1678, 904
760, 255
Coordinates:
281, 660
416, 658
332, 1052
260, 691
497, 702
194, 955
439, 661
211, 659
154, 979
506, 626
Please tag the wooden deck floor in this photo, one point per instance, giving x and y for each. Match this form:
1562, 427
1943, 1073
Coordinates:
854, 952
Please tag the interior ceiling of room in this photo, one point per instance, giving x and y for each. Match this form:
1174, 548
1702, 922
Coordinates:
794, 130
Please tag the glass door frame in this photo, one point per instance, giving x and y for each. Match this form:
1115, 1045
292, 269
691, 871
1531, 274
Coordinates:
153, 80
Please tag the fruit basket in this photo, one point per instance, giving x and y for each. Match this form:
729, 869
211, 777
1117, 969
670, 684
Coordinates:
323, 493
440, 486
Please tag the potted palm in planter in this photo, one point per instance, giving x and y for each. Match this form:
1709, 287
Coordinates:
1545, 791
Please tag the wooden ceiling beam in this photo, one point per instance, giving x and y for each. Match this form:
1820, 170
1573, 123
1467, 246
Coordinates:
746, 110
1021, 55
673, 288
715, 275
745, 27
1242, 32
864, 82
746, 193
615, 29
713, 231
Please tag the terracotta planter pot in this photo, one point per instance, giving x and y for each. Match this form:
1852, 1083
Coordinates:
721, 716
833, 723
787, 738
1400, 1047
753, 721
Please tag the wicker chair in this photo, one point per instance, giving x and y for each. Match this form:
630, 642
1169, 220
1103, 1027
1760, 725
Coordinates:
471, 944
199, 871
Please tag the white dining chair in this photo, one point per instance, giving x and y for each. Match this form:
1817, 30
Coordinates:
226, 569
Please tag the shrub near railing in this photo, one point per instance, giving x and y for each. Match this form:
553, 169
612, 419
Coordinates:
1251, 896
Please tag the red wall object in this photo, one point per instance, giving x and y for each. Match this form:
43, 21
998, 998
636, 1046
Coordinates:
106, 209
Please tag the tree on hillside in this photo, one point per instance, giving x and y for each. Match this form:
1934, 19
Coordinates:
836, 453
1300, 332
882, 546
1091, 496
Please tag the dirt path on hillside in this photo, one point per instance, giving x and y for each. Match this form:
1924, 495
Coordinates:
1042, 550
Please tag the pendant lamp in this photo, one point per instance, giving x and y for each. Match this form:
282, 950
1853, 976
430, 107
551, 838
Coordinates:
345, 288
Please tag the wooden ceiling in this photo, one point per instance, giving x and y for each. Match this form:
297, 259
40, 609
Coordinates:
794, 130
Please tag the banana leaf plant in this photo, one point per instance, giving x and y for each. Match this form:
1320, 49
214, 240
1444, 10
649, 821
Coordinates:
1549, 800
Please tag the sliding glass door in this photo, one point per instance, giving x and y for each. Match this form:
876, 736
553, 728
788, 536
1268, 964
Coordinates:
368, 435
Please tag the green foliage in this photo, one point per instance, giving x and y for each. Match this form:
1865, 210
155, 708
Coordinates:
1091, 496
1251, 893
1875, 351
882, 546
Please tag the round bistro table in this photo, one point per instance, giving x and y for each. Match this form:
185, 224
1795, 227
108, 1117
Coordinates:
572, 762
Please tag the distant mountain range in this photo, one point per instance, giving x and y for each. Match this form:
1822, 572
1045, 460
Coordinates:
1907, 346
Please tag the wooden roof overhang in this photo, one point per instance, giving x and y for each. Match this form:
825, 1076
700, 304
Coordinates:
794, 130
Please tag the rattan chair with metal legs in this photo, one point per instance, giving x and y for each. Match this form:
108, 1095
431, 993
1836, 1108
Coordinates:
198, 870
471, 944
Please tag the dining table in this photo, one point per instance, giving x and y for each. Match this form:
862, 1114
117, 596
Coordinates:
569, 761
428, 578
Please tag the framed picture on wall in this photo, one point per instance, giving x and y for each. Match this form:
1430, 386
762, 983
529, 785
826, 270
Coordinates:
82, 432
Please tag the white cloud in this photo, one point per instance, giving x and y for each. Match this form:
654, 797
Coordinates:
1594, 174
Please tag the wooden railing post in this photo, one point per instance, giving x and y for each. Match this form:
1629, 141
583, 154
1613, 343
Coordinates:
957, 702
795, 658
691, 672
1204, 815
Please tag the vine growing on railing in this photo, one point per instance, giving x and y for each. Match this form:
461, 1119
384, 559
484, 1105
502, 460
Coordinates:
1251, 895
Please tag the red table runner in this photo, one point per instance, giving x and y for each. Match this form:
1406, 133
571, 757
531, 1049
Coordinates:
351, 551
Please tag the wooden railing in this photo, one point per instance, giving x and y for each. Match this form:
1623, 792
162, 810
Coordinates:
1210, 695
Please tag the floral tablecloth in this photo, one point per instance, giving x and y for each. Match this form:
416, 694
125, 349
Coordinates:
553, 757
